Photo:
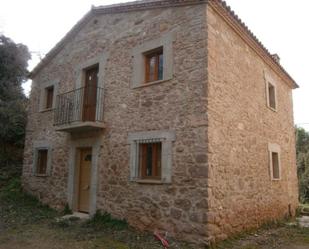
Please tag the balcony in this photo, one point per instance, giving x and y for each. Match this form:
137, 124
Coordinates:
79, 110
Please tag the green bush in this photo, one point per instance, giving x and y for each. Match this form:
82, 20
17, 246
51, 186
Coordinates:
302, 151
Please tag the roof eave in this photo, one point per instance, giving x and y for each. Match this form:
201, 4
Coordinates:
54, 51
109, 9
225, 11
143, 5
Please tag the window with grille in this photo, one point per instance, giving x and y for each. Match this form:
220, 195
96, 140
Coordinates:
151, 156
150, 160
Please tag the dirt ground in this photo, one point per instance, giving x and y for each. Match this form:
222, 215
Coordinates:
45, 235
27, 224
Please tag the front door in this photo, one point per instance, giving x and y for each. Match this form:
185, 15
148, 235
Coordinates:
84, 180
90, 94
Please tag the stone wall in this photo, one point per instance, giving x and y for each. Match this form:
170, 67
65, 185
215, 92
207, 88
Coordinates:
178, 104
215, 103
241, 193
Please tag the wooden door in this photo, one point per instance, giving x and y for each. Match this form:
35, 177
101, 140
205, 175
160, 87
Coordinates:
84, 180
90, 94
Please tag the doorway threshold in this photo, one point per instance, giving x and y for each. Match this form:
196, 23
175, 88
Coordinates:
76, 215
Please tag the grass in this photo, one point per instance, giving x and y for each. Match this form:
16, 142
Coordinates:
18, 208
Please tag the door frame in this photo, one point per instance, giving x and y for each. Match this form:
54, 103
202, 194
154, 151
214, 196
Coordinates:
78, 176
73, 177
88, 88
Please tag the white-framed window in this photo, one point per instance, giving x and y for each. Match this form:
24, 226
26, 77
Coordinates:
48, 95
153, 61
274, 161
151, 156
42, 159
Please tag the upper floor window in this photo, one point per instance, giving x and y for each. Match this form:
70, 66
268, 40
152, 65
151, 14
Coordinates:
154, 65
49, 97
48, 92
271, 91
153, 61
272, 98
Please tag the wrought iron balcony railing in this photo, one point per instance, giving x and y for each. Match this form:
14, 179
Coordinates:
81, 105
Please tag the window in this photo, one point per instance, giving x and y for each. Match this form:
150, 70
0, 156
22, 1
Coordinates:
271, 96
275, 165
154, 65
153, 61
48, 92
42, 153
151, 156
49, 97
150, 160
274, 161
41, 164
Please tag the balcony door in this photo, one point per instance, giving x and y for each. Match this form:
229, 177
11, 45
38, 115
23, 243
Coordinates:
90, 94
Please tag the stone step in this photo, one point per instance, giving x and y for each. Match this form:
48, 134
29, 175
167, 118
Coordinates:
303, 221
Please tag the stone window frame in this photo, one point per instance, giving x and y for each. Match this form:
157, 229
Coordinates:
138, 56
166, 138
274, 148
43, 95
42, 145
269, 80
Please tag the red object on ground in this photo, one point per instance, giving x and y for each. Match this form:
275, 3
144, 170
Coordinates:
163, 240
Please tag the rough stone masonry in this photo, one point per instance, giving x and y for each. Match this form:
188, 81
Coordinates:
214, 102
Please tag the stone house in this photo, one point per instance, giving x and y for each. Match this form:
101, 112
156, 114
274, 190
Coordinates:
170, 114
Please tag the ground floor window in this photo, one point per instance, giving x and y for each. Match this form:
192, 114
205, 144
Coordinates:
150, 160
274, 161
42, 162
151, 155
41, 158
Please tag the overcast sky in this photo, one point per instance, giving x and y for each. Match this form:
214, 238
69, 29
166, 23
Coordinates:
281, 25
